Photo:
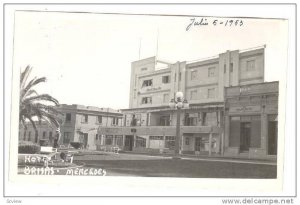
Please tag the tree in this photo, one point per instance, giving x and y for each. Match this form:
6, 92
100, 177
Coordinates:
36, 106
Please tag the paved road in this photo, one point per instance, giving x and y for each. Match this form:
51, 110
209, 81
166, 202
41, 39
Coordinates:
161, 166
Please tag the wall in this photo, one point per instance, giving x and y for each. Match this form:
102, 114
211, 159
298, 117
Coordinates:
40, 128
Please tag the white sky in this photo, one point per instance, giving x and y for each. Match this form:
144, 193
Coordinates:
87, 57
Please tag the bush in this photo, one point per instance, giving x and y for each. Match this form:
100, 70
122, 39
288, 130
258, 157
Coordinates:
44, 142
63, 156
28, 148
76, 145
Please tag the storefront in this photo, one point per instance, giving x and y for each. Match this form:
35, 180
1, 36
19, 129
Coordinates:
251, 120
161, 139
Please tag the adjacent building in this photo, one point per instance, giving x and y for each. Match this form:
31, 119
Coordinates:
78, 124
149, 123
251, 120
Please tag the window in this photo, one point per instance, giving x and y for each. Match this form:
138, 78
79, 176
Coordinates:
156, 137
211, 72
166, 97
143, 69
114, 121
231, 67
193, 74
211, 93
68, 117
96, 137
24, 136
250, 65
140, 141
50, 134
99, 119
170, 142
85, 119
108, 139
187, 141
166, 79
29, 136
191, 119
147, 100
147, 83
193, 95
224, 68
67, 137
180, 76
44, 134
119, 140
164, 120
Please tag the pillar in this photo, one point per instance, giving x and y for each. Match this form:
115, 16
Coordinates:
103, 140
148, 142
222, 143
114, 140
226, 131
134, 140
124, 140
264, 132
209, 142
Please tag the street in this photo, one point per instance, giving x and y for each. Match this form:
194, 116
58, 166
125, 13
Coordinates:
162, 166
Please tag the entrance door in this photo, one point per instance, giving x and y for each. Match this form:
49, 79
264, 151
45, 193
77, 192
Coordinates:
245, 136
198, 142
128, 142
85, 140
272, 138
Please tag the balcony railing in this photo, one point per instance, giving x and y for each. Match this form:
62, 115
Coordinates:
156, 130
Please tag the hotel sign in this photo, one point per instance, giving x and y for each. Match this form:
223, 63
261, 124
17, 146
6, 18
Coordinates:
153, 89
243, 109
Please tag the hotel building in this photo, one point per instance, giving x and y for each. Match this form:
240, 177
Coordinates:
149, 123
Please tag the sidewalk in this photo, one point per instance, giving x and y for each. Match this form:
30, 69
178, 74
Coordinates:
214, 157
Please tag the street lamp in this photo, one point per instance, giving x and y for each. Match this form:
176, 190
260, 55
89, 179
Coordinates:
178, 103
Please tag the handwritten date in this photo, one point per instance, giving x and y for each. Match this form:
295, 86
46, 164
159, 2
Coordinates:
215, 22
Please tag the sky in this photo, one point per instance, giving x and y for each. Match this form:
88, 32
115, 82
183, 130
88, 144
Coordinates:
87, 57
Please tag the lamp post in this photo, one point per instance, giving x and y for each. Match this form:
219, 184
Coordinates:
178, 103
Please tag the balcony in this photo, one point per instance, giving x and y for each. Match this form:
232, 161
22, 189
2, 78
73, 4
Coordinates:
156, 130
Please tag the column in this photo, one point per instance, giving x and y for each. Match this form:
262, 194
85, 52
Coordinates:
134, 140
210, 140
103, 140
114, 140
222, 143
124, 140
264, 132
226, 131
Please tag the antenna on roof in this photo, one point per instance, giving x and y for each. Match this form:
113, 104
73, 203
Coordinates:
156, 55
140, 48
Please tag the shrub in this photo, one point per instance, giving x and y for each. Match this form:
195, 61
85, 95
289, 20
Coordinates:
76, 145
63, 156
28, 147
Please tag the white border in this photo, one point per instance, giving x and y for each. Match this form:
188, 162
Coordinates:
149, 185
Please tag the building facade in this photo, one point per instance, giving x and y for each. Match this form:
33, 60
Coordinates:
78, 123
251, 120
149, 123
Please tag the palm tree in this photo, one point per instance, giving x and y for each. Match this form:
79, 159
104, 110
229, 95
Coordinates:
36, 106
